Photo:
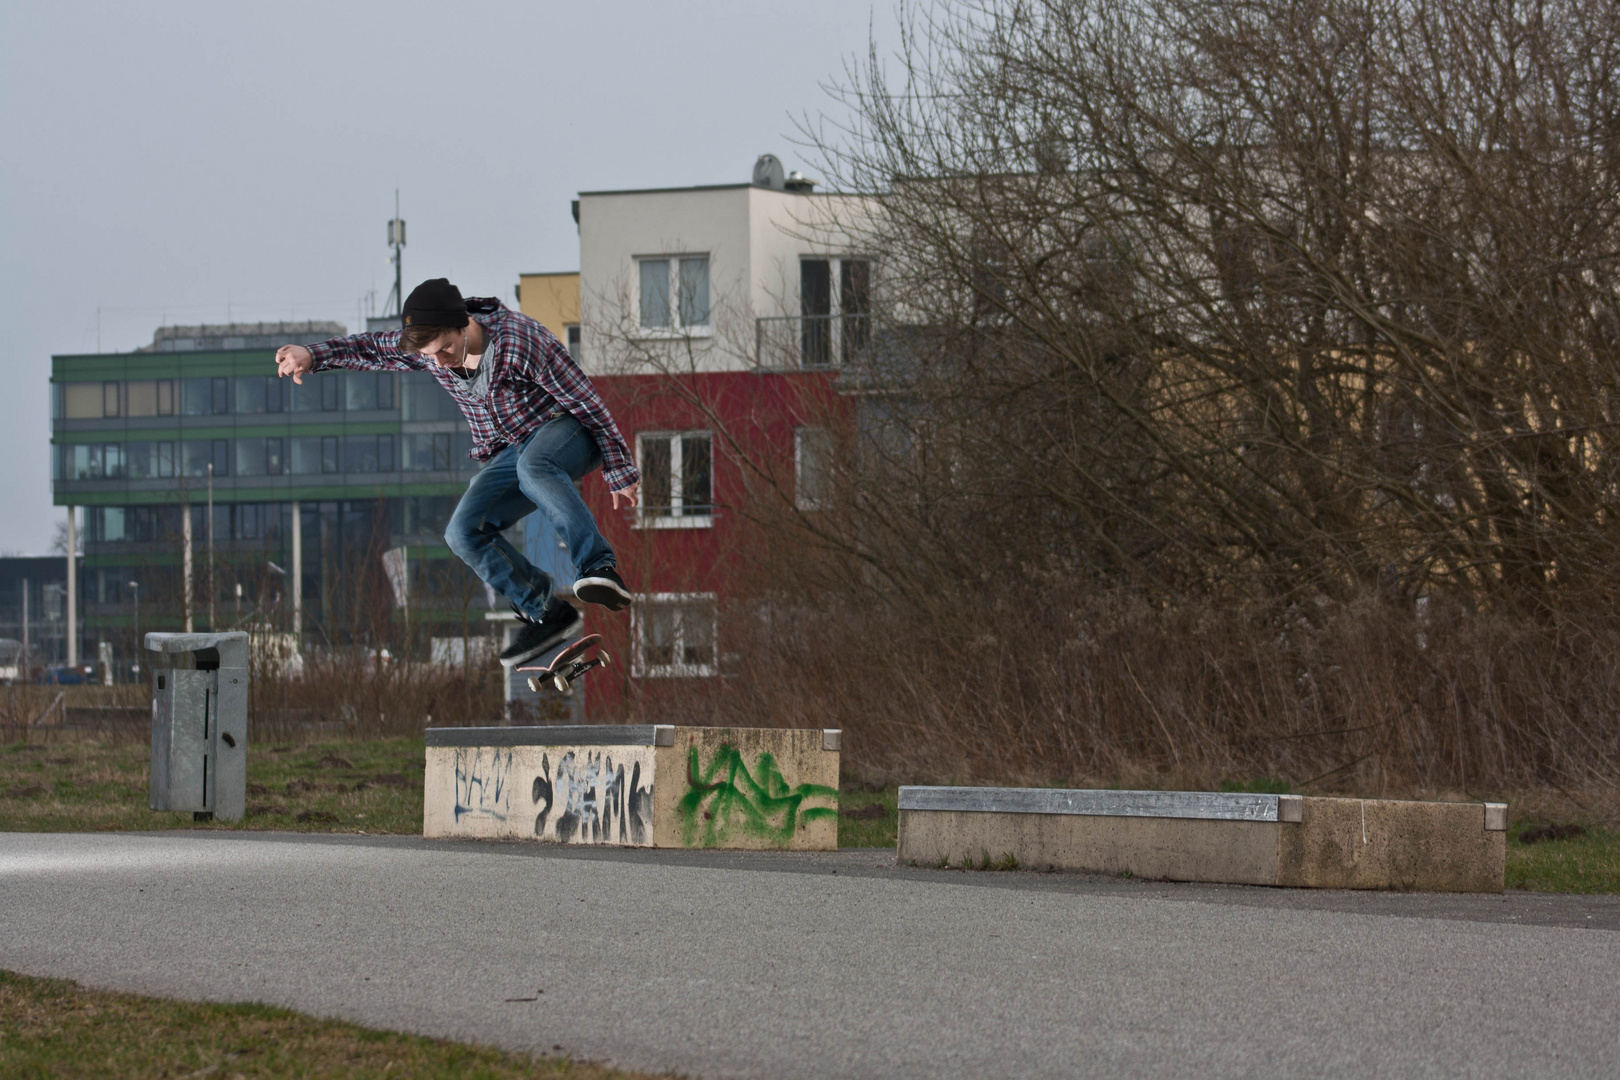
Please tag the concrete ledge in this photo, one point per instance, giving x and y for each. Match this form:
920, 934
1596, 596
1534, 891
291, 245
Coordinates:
635, 785
1284, 840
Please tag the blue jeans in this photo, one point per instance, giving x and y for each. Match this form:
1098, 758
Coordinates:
536, 474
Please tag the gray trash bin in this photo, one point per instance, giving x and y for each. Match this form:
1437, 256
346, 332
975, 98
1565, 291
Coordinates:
199, 723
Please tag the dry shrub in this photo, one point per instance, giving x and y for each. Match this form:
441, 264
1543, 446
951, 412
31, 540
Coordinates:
1059, 685
349, 695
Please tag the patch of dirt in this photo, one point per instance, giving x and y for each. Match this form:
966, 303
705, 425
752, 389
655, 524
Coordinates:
332, 761
265, 809
62, 760
394, 779
26, 791
1535, 834
325, 816
257, 789
298, 787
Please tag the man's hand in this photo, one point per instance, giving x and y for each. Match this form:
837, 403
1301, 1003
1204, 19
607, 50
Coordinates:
628, 494
294, 360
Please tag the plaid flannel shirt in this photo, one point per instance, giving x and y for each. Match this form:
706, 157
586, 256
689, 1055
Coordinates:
532, 379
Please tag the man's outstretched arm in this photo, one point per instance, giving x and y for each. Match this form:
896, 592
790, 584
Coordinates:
359, 352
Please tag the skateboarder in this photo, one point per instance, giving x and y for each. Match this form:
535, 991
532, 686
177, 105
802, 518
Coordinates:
537, 425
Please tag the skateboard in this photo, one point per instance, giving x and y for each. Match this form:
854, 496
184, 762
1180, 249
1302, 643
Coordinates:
570, 664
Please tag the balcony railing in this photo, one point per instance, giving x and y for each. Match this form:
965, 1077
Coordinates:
810, 342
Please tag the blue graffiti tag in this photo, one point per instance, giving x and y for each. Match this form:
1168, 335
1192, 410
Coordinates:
481, 787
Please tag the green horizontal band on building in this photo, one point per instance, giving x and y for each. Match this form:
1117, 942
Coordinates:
99, 367
292, 429
225, 492
234, 556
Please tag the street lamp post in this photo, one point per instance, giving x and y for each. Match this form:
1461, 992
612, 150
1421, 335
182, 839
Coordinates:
135, 591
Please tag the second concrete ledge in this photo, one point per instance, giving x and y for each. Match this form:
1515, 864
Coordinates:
1240, 838
637, 785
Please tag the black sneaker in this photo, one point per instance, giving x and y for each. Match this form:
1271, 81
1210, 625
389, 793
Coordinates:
534, 638
603, 586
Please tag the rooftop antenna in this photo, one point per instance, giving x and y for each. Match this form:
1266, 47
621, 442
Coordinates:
396, 240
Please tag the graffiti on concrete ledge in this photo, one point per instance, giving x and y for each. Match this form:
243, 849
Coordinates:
482, 779
730, 799
590, 796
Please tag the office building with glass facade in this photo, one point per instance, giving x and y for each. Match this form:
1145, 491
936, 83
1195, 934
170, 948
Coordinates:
329, 499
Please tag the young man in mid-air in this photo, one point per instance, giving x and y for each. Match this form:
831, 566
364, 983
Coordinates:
537, 425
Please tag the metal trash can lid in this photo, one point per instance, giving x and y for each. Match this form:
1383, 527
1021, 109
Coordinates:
232, 645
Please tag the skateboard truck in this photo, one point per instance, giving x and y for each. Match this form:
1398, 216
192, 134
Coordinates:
569, 664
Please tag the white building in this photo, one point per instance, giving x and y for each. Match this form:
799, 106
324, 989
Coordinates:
725, 277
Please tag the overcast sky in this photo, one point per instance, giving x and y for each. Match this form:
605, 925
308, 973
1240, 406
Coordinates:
185, 163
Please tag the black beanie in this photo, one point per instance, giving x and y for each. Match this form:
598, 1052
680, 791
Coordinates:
435, 302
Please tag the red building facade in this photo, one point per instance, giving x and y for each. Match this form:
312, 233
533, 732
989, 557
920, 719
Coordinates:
721, 453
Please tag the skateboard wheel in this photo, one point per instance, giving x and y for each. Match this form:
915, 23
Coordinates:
561, 683
605, 658
534, 684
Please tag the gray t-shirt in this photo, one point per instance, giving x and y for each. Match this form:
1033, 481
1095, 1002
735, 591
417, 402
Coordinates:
476, 383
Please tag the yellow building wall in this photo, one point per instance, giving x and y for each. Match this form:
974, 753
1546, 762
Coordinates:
551, 298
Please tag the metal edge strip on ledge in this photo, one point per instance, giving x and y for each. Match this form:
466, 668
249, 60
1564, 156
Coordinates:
554, 735
1209, 805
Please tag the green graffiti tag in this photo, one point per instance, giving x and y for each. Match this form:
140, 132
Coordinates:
731, 797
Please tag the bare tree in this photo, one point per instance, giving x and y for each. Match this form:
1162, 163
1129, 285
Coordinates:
1267, 296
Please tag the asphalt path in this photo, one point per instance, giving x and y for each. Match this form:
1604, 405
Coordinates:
830, 965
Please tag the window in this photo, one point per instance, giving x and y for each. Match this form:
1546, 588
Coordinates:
675, 293
674, 635
205, 397
149, 397
259, 394
82, 401
812, 468
329, 453
149, 523
149, 460
315, 394
259, 457
576, 347
427, 452
368, 390
368, 453
422, 398
199, 454
424, 516
835, 326
94, 461
256, 521
109, 399
104, 524
676, 479
305, 455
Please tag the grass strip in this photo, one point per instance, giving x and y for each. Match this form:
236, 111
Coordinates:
1587, 863
94, 785
373, 786
56, 1028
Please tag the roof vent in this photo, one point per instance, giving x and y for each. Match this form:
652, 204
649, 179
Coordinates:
768, 172
797, 182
